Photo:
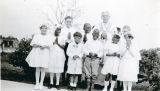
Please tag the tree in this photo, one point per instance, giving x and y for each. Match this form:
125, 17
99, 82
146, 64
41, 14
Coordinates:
60, 10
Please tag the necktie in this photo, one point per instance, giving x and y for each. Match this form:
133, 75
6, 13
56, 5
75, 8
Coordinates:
85, 38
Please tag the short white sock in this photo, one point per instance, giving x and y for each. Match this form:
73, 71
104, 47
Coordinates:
71, 84
74, 84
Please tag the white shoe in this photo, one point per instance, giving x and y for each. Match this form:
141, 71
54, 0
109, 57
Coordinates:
104, 89
74, 85
40, 86
36, 87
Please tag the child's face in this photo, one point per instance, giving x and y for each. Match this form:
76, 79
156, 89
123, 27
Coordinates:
77, 39
105, 18
95, 35
125, 30
44, 30
127, 38
68, 22
57, 32
104, 36
87, 28
115, 40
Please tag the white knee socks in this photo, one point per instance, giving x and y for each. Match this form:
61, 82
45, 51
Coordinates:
125, 86
51, 78
57, 78
129, 86
37, 74
42, 76
106, 83
112, 85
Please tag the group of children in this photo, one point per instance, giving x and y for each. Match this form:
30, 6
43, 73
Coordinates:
86, 51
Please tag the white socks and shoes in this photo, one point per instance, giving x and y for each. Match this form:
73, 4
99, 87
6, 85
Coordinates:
104, 89
41, 86
36, 87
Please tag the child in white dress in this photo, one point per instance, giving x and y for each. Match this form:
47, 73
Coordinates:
57, 58
111, 61
129, 65
75, 53
39, 55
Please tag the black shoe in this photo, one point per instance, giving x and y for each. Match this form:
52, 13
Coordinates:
68, 87
58, 87
74, 88
84, 84
50, 86
71, 88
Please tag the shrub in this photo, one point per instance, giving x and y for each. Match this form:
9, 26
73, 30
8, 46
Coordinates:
18, 57
150, 67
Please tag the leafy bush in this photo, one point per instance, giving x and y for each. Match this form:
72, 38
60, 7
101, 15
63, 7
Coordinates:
18, 57
150, 67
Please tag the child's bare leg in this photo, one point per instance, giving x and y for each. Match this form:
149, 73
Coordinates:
129, 86
37, 74
75, 80
125, 86
57, 78
71, 80
51, 78
42, 77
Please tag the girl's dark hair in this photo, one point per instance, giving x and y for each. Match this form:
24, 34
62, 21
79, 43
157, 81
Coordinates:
57, 29
77, 34
43, 26
130, 36
116, 36
68, 17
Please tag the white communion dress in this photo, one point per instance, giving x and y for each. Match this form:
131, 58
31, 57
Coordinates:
39, 57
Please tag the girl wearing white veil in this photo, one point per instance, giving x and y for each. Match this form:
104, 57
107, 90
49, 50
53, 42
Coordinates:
129, 64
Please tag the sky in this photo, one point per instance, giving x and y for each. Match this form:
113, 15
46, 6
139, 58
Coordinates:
22, 18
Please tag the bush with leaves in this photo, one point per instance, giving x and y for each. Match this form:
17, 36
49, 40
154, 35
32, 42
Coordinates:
150, 67
18, 57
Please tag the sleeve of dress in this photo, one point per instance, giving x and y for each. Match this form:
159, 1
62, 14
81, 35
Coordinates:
61, 40
100, 52
81, 51
34, 40
136, 53
63, 36
70, 51
51, 40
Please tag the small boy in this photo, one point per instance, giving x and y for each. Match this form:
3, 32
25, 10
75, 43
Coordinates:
75, 53
93, 53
